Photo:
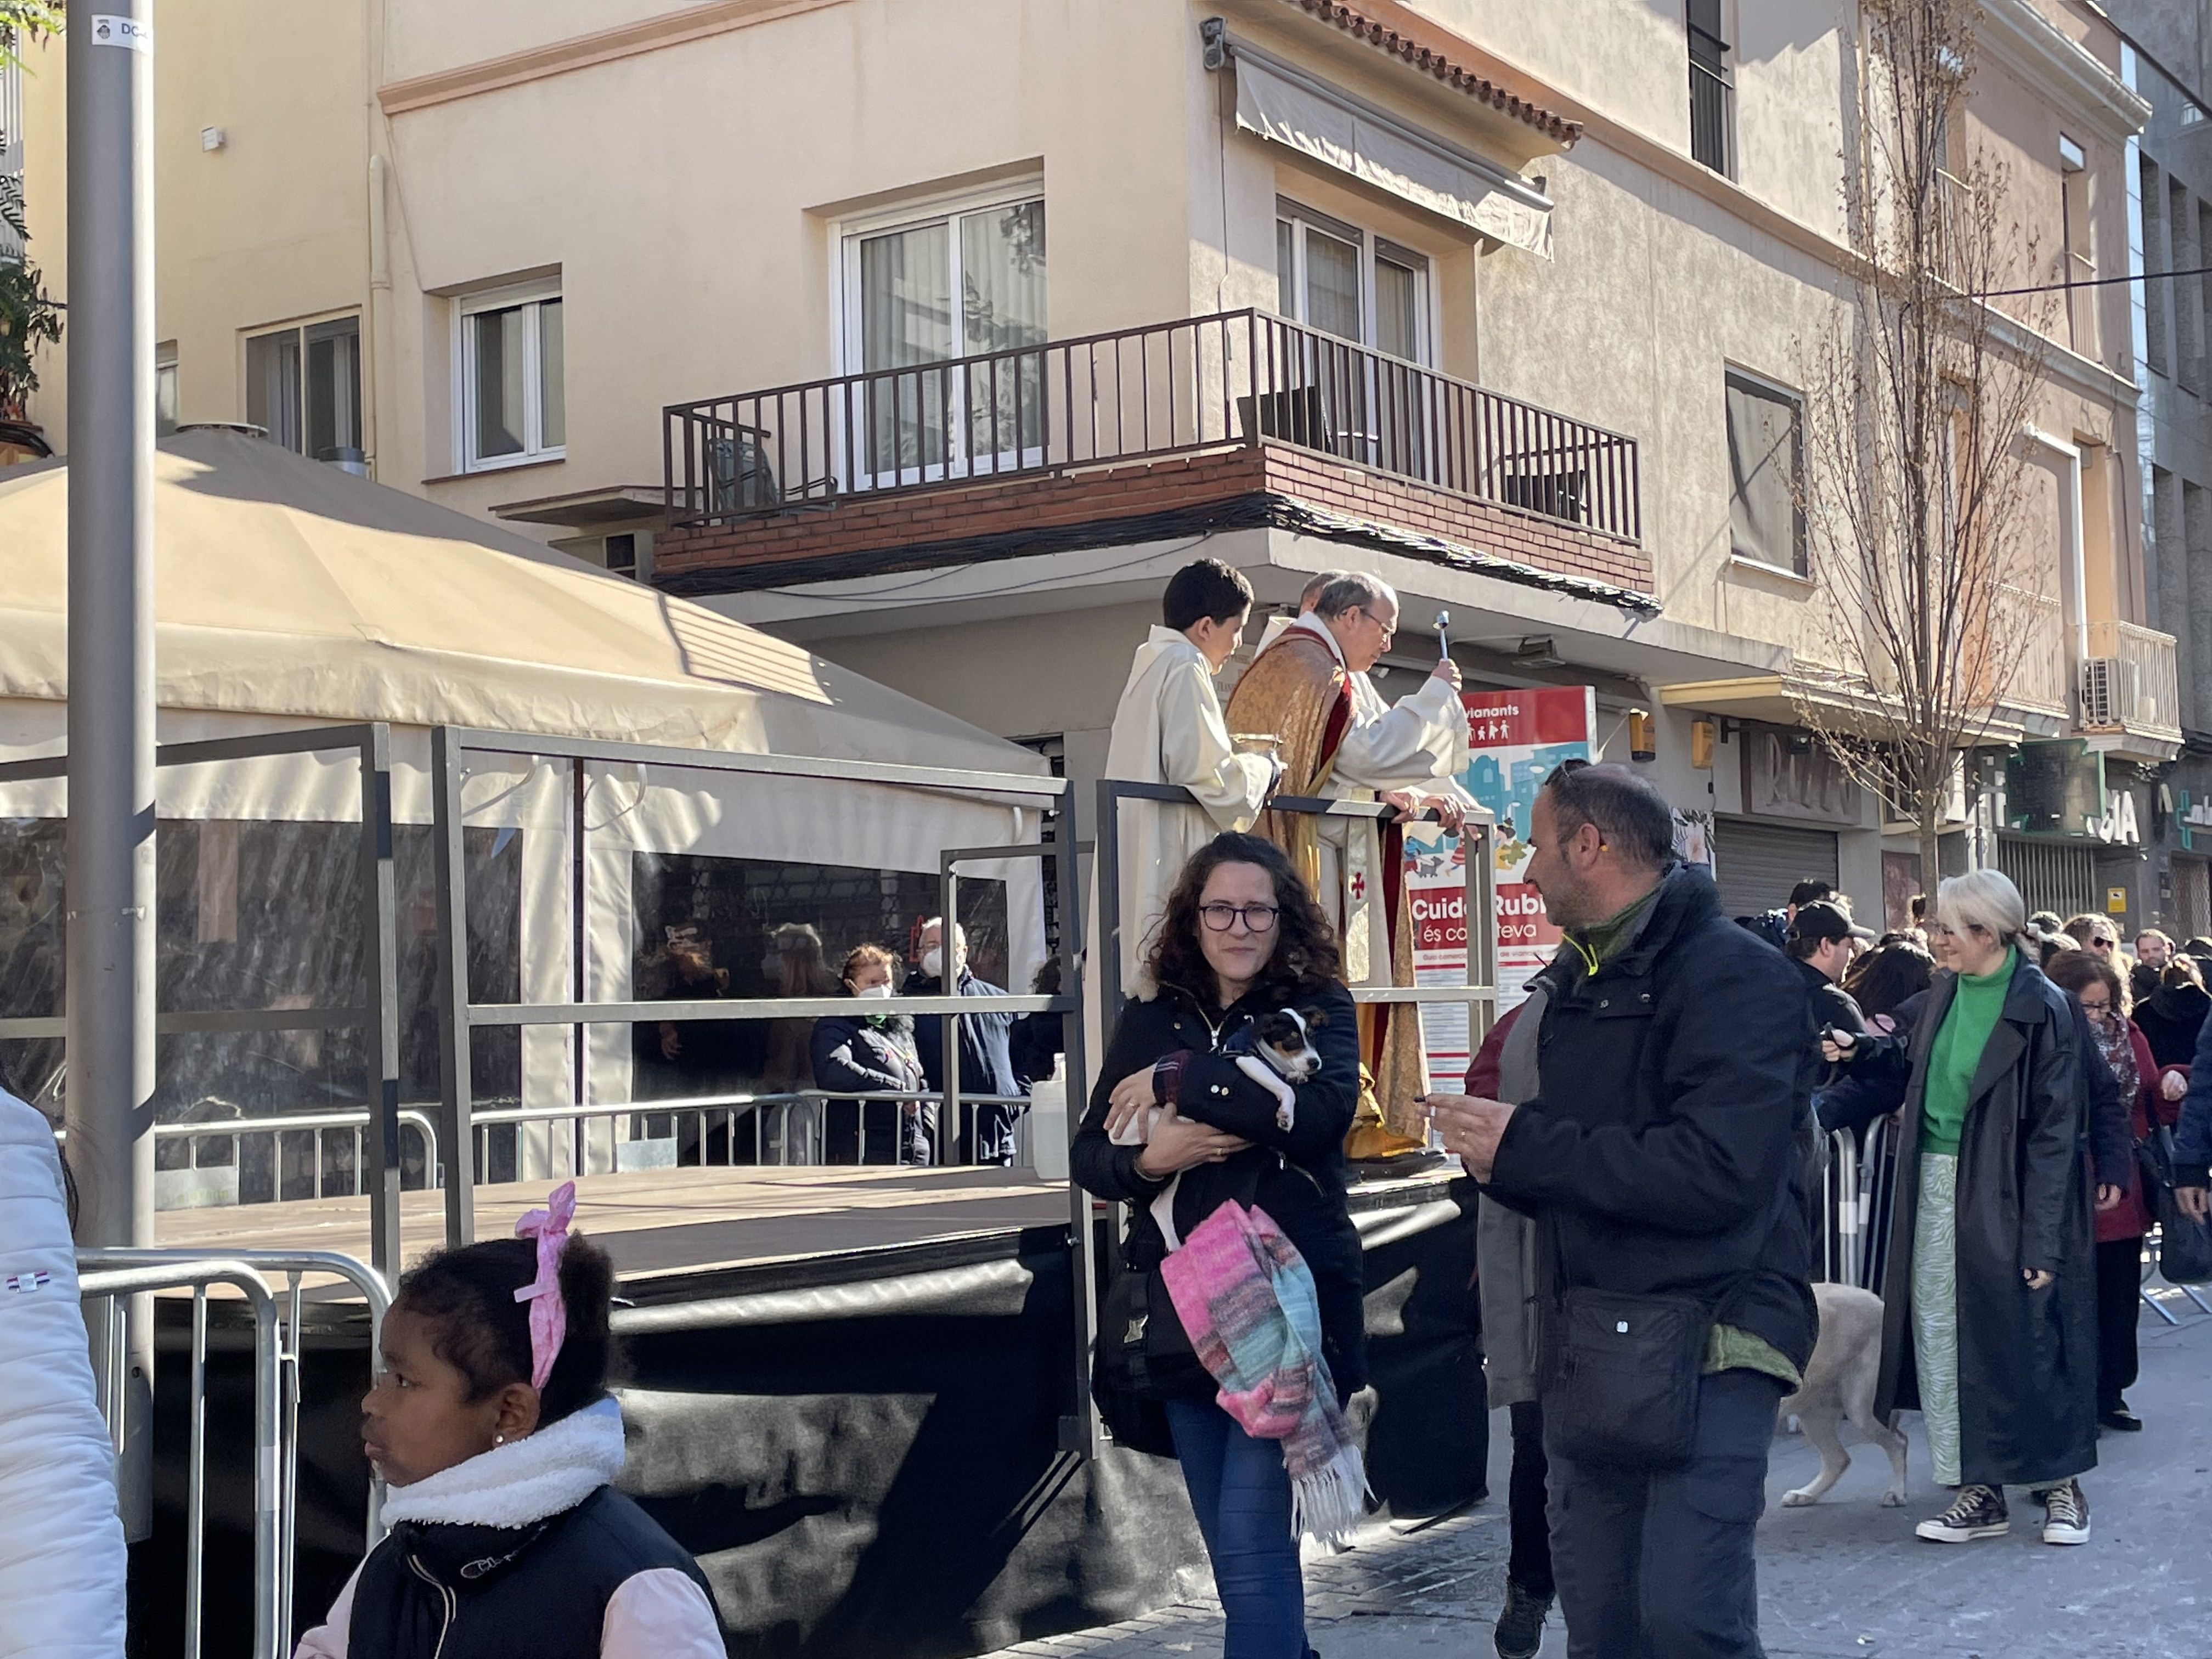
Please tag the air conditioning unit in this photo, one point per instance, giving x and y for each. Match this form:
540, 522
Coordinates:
2109, 689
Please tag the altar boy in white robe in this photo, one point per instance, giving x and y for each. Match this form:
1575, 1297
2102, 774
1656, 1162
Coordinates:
1169, 730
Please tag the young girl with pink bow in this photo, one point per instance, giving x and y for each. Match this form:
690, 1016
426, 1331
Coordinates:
493, 1425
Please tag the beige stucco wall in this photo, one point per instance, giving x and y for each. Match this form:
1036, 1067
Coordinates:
689, 199
692, 210
271, 228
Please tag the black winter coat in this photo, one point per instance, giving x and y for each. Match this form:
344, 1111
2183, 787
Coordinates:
986, 1069
453, 1592
1665, 1143
1832, 1004
2027, 1359
1875, 1084
851, 1051
2170, 1022
1297, 1176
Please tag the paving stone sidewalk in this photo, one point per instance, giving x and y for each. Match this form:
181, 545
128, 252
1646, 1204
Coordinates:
1842, 1577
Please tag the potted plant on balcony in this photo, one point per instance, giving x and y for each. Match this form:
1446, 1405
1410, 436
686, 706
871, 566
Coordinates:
29, 315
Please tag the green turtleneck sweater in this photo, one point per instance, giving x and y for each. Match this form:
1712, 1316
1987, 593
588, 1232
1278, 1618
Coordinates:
1956, 1054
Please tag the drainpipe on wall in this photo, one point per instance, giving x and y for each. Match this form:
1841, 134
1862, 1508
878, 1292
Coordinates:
380, 301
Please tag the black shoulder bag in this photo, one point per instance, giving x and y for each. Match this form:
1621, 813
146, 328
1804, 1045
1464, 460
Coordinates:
2185, 1243
1621, 1387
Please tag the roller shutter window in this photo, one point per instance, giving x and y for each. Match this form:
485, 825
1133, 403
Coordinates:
1756, 864
2192, 899
2056, 875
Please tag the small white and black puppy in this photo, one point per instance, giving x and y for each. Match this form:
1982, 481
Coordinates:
1276, 1051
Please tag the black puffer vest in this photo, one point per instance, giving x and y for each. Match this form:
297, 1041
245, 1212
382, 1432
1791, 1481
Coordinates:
440, 1591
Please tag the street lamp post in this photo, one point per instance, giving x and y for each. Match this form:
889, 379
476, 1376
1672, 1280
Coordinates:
109, 869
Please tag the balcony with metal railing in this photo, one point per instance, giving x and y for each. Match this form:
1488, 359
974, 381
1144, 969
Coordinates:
2131, 691
1068, 434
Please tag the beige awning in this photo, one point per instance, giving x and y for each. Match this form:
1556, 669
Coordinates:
1344, 132
285, 587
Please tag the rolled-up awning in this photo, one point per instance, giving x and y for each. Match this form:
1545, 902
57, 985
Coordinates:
1346, 133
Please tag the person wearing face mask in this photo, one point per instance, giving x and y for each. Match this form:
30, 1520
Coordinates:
870, 1053
986, 1066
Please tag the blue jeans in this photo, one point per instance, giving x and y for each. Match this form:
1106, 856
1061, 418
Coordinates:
1242, 1495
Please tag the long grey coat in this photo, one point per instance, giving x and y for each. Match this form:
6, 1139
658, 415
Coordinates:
2027, 1359
1508, 1269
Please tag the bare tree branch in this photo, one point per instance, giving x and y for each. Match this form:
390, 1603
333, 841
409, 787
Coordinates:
1917, 402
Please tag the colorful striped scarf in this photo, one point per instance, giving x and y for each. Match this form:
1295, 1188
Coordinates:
1246, 1299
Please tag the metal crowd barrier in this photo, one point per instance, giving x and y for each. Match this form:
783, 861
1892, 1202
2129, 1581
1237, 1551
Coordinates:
112, 1277
716, 1117
1856, 1188
235, 1129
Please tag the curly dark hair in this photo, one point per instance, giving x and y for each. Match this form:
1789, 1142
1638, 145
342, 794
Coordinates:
484, 1333
1306, 959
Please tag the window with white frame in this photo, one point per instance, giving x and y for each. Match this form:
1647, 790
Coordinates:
303, 387
1350, 282
513, 406
964, 279
165, 388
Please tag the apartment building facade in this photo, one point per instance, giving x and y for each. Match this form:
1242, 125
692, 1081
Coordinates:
972, 321
2166, 57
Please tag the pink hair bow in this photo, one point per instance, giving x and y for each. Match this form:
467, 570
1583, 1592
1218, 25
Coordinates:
548, 1312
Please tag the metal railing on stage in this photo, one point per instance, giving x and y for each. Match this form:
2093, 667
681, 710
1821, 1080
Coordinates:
109, 1279
458, 1015
1481, 990
377, 1014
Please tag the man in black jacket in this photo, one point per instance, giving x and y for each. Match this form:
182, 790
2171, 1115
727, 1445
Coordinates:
1820, 942
1659, 1159
986, 1066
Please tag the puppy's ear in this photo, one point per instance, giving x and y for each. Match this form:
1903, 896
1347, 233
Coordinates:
1312, 1017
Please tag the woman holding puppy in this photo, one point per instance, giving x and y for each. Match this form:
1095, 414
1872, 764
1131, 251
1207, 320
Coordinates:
1241, 939
1990, 1293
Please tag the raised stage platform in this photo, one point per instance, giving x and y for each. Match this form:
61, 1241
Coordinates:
661, 1224
845, 1394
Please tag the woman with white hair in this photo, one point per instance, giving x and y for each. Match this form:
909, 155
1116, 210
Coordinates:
1990, 1303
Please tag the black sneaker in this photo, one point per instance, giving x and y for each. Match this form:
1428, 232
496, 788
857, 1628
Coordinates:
2118, 1416
2066, 1515
1978, 1512
1521, 1623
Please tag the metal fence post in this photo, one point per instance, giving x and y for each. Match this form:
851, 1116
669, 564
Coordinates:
1080, 1430
381, 999
456, 1083
948, 963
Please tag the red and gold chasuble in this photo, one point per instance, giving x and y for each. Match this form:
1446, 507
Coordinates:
1298, 690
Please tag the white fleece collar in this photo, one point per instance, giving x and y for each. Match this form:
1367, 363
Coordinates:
527, 1480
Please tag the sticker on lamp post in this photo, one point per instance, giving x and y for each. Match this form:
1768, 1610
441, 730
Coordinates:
132, 33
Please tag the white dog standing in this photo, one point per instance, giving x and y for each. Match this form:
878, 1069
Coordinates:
1840, 1383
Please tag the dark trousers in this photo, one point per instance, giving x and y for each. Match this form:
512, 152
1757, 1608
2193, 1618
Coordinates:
1529, 1564
1658, 1564
2119, 1279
